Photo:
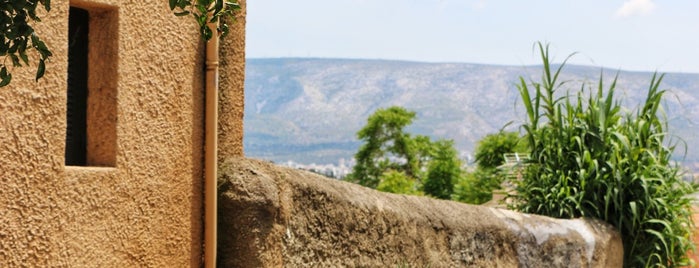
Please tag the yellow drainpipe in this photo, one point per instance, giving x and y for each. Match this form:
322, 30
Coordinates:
211, 150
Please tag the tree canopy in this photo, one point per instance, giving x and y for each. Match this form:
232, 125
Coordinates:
443, 171
386, 146
491, 149
393, 160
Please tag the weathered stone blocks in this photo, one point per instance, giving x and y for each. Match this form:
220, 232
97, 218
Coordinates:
272, 216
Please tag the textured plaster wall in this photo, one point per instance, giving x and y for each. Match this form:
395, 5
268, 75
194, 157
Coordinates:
32, 225
232, 96
146, 209
280, 217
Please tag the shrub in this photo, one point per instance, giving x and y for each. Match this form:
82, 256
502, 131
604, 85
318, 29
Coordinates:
491, 149
397, 182
590, 160
443, 170
476, 187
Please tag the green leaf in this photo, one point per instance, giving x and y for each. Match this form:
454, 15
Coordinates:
202, 10
5, 77
589, 159
224, 29
206, 31
35, 39
173, 4
15, 60
183, 13
40, 70
41, 47
23, 56
233, 5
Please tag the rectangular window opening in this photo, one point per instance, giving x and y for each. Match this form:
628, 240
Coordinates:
91, 115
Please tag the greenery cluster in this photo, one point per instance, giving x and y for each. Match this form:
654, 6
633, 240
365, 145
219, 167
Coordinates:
205, 12
18, 36
443, 170
477, 187
392, 160
589, 159
490, 150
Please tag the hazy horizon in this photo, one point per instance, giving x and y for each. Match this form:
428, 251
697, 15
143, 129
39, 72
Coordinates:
632, 35
457, 62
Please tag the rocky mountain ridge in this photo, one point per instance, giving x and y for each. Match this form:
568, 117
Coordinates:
308, 110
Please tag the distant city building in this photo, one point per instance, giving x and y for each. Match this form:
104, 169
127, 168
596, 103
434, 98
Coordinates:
339, 171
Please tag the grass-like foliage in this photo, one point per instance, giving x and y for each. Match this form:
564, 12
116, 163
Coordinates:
591, 159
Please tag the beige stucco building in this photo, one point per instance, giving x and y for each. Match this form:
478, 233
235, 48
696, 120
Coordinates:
113, 176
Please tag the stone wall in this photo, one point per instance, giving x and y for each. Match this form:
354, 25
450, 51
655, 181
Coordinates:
271, 216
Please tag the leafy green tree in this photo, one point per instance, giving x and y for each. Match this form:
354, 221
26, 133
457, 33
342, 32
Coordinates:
590, 160
18, 36
491, 149
393, 160
386, 147
397, 182
424, 150
443, 171
475, 187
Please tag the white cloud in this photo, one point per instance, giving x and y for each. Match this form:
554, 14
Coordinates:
635, 7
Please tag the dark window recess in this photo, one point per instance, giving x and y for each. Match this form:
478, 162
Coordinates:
76, 132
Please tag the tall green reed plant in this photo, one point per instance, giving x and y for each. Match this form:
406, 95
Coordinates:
588, 159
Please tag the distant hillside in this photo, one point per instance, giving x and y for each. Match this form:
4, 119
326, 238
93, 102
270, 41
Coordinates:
308, 110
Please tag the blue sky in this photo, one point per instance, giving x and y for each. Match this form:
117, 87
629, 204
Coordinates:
645, 35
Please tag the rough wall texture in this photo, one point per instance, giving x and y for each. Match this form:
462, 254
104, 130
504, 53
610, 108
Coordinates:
231, 94
272, 217
695, 218
144, 209
31, 157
